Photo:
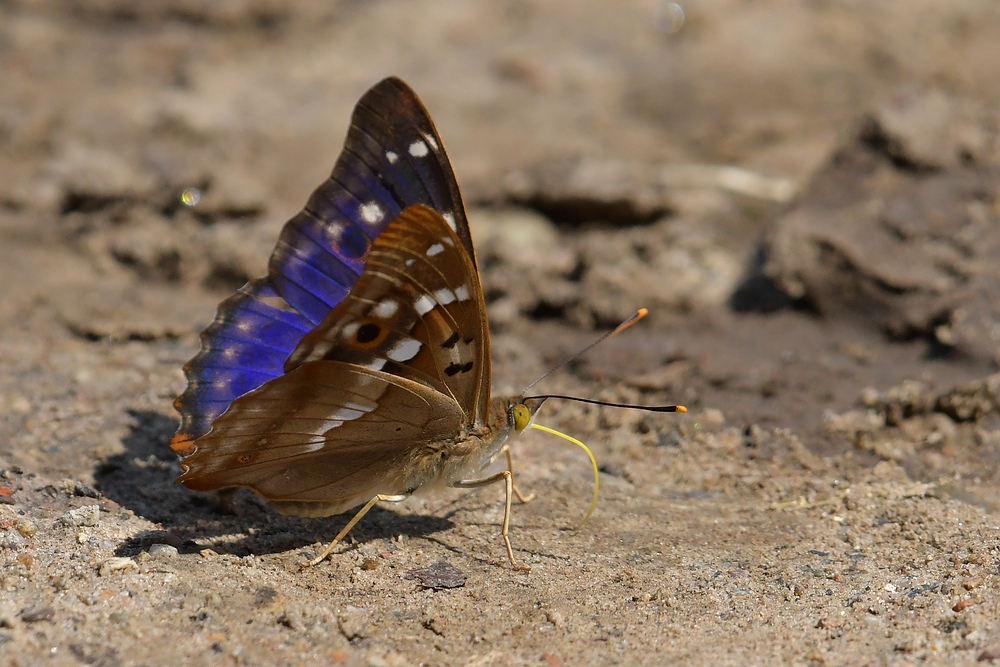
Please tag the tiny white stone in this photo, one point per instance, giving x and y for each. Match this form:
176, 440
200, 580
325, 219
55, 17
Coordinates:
391, 157
435, 249
371, 213
424, 304
404, 350
418, 149
462, 293
444, 296
385, 308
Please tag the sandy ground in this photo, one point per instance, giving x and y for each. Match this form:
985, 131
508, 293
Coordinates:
804, 193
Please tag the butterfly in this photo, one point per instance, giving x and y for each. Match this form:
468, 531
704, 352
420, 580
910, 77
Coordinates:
358, 369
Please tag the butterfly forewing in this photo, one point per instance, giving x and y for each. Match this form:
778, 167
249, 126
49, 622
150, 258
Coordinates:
246, 345
392, 158
417, 310
372, 398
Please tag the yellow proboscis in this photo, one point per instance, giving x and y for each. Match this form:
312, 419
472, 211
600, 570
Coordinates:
597, 473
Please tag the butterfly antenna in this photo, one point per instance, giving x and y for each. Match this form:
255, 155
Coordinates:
641, 313
609, 404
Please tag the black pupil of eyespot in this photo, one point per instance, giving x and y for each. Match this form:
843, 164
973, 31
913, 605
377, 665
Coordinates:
368, 332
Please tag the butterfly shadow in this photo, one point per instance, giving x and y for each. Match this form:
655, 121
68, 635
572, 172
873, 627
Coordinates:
142, 479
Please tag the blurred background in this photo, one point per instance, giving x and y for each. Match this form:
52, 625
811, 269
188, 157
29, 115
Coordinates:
803, 192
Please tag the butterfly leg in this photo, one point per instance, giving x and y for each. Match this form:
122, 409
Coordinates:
508, 479
350, 524
510, 466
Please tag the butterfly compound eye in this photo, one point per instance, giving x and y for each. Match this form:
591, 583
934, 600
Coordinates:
522, 416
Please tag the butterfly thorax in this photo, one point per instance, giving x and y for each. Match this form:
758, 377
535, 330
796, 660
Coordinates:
465, 456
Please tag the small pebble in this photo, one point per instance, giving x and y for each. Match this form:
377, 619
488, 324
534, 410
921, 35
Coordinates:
975, 582
990, 653
441, 574
12, 540
162, 550
960, 605
117, 564
36, 614
25, 527
81, 489
61, 581
88, 515
353, 623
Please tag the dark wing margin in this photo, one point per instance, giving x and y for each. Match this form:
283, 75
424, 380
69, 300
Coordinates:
393, 157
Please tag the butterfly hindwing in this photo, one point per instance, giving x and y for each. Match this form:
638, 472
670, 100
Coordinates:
392, 158
327, 432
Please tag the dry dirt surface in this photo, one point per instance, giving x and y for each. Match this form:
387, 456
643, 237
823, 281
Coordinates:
805, 194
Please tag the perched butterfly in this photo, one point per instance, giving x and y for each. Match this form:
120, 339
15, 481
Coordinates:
358, 369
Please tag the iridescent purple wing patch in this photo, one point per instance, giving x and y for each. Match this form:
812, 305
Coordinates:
392, 158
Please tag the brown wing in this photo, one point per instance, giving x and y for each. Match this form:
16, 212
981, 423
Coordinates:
326, 432
417, 310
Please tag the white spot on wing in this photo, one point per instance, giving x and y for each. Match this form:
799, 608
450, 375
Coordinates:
375, 365
321, 428
345, 414
424, 304
462, 293
435, 249
386, 308
391, 157
371, 213
349, 330
450, 219
431, 141
317, 445
410, 261
404, 350
444, 296
418, 149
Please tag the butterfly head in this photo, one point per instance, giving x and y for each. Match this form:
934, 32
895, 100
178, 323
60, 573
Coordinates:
521, 412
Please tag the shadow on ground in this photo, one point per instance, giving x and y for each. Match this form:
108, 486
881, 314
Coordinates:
141, 479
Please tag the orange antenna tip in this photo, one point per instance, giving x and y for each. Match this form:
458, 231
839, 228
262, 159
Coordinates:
681, 408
